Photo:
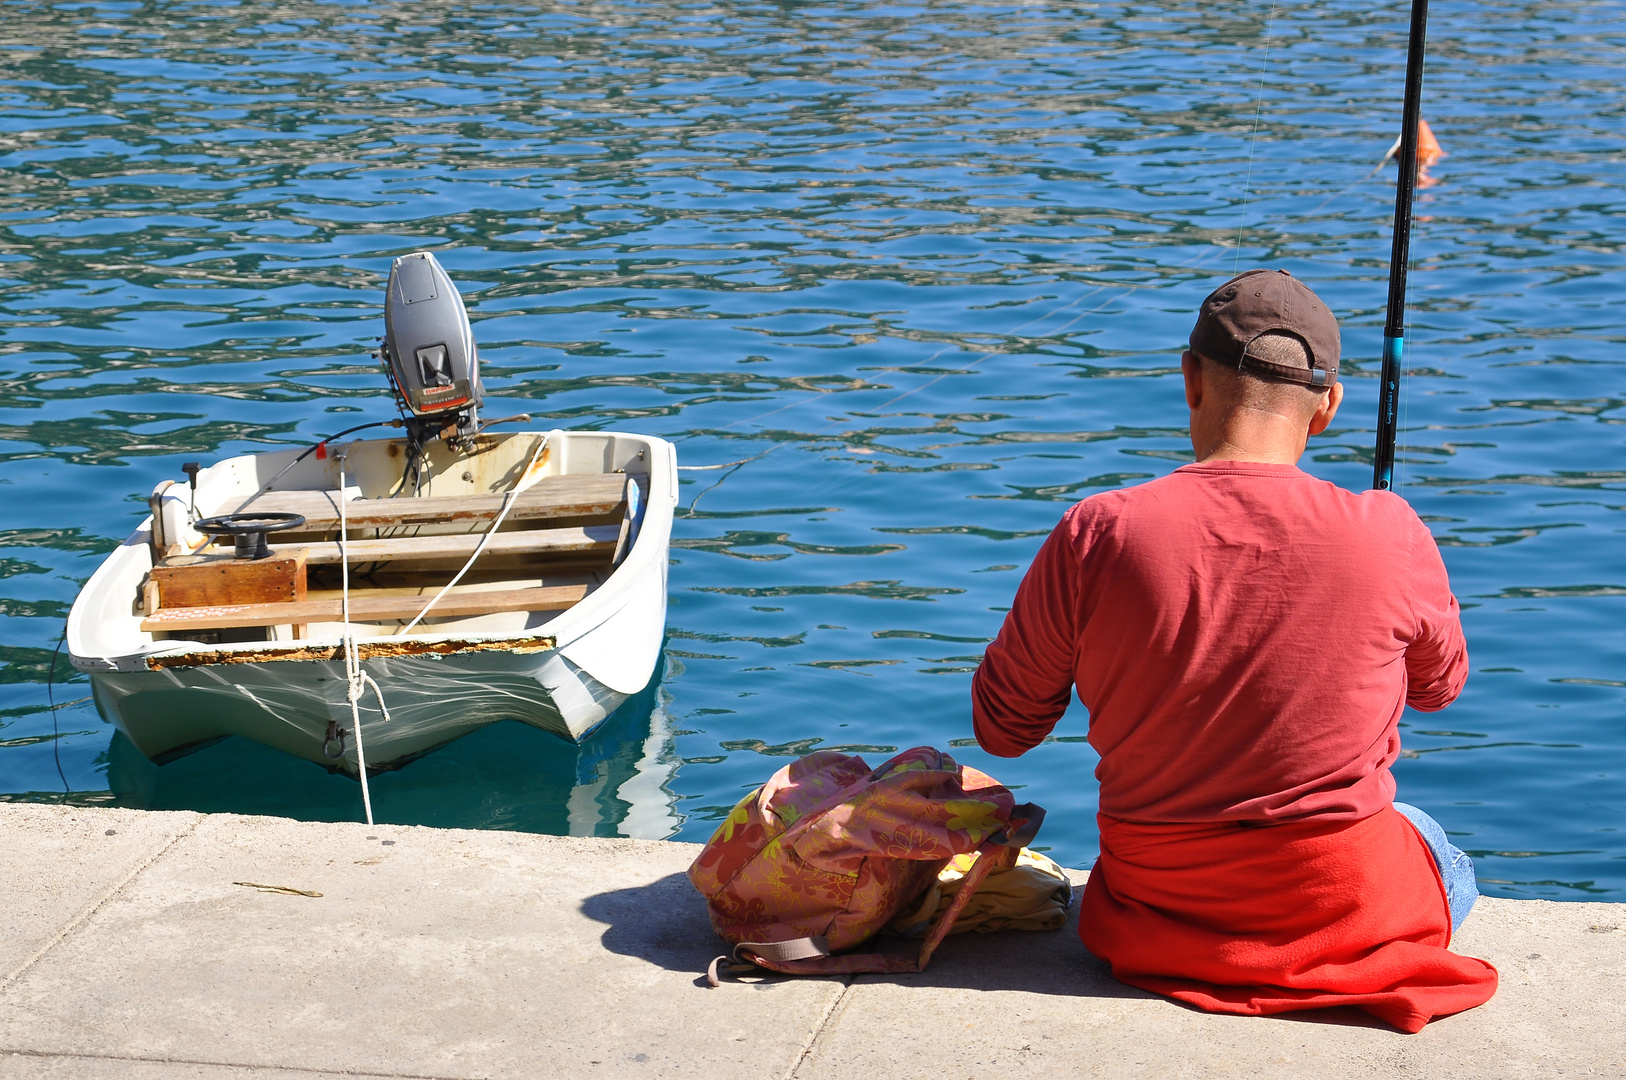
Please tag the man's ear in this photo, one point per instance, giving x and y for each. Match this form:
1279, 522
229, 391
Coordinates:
1328, 408
1192, 369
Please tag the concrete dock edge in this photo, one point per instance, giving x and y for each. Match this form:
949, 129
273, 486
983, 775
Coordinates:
165, 945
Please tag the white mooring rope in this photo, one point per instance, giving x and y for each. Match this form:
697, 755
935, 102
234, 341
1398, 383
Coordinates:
356, 680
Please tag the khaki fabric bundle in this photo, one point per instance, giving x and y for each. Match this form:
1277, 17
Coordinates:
1031, 895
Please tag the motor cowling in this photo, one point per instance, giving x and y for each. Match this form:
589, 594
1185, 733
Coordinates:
428, 343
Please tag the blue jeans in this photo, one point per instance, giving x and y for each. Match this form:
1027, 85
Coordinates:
1456, 868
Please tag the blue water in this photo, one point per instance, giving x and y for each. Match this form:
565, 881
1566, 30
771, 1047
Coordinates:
928, 266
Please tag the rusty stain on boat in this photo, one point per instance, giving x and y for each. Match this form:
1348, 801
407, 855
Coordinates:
369, 650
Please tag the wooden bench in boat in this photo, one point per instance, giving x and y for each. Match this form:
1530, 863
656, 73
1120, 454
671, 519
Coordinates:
366, 608
591, 495
210, 581
592, 540
219, 592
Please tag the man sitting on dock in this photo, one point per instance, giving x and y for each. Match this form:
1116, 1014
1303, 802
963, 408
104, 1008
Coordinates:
1245, 638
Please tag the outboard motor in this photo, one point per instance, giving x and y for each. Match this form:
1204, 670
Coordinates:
429, 350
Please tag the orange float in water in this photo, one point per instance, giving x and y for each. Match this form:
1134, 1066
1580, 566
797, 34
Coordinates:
1428, 147
1429, 151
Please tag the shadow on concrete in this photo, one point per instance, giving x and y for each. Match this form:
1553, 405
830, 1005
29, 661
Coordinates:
1054, 963
665, 924
1341, 1016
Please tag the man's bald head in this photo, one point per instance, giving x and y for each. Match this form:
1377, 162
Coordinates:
1238, 414
1240, 388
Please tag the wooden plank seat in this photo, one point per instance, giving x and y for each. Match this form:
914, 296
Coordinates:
204, 581
592, 540
591, 495
366, 608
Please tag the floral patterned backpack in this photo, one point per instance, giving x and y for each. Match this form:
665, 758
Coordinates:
822, 856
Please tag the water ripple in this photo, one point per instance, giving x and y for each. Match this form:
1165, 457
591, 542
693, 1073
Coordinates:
916, 275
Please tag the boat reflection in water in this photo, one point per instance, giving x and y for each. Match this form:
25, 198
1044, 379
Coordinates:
506, 775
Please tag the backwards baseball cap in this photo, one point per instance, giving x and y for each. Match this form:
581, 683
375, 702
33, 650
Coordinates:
1259, 302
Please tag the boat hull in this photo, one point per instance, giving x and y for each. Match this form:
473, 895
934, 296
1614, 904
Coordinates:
301, 707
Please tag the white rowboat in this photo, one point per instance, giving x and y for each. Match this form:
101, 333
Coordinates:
558, 619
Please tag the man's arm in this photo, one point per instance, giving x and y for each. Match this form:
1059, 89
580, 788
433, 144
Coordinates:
1026, 677
1437, 657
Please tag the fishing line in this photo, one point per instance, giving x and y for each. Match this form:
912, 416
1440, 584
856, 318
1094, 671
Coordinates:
734, 466
1068, 325
1253, 143
952, 345
946, 348
1351, 186
888, 404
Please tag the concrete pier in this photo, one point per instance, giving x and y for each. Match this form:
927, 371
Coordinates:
131, 948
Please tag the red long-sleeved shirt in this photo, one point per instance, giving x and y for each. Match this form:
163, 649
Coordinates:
1244, 636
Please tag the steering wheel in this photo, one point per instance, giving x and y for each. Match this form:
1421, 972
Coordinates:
248, 530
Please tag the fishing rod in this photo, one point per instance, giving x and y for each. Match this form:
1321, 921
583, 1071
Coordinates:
1394, 323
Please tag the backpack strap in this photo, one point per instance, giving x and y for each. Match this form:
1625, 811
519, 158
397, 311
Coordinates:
802, 948
1031, 816
775, 952
986, 858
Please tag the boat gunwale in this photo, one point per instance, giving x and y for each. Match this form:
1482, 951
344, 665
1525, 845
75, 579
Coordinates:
366, 649
601, 603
